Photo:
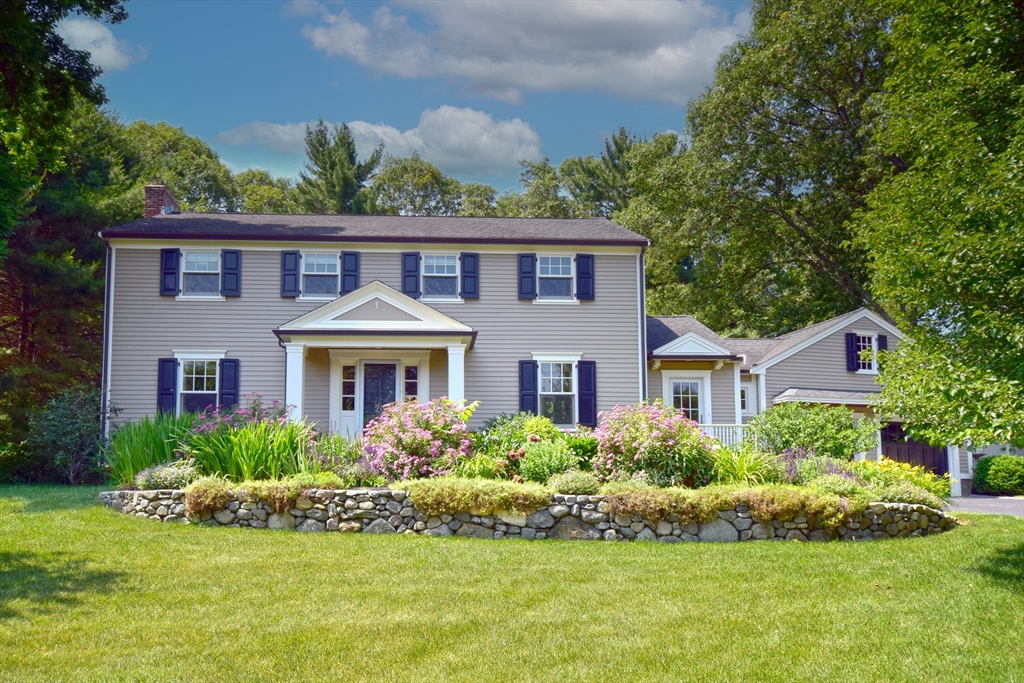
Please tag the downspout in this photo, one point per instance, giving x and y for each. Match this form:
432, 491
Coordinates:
643, 323
108, 322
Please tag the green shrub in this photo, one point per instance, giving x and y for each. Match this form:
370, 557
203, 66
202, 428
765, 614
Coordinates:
838, 485
256, 450
206, 495
999, 475
480, 466
68, 432
904, 492
825, 430
546, 458
510, 432
885, 472
172, 475
747, 465
584, 445
135, 446
409, 440
448, 495
654, 439
575, 481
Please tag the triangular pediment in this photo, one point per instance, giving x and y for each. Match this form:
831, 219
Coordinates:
375, 307
691, 344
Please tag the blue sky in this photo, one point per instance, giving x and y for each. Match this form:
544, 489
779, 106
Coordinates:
472, 86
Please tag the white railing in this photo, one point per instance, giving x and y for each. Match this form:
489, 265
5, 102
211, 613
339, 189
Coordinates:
728, 435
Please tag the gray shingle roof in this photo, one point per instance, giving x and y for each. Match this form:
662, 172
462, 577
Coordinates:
825, 396
343, 228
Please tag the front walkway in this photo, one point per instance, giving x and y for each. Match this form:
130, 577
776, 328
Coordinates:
992, 504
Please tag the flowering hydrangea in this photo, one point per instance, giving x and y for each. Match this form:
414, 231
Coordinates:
418, 440
655, 439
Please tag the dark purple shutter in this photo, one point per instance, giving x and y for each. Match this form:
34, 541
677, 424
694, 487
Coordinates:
290, 273
169, 272
528, 386
228, 383
349, 271
411, 274
527, 276
585, 277
470, 276
586, 374
166, 384
883, 342
851, 352
230, 272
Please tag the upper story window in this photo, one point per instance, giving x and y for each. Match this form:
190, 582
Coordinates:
866, 342
198, 385
558, 392
440, 276
554, 277
320, 275
201, 275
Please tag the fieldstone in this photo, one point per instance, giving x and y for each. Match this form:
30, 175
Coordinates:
257, 524
727, 515
692, 528
364, 514
393, 506
162, 511
622, 520
454, 525
379, 526
796, 535
760, 532
442, 530
558, 511
367, 505
351, 504
540, 519
224, 516
280, 520
892, 529
462, 517
593, 516
233, 505
646, 535
510, 518
259, 514
528, 533
303, 503
688, 537
316, 514
610, 535
433, 522
349, 527
878, 508
664, 528
395, 521
408, 512
669, 539
419, 526
310, 525
399, 495
745, 535
242, 514
474, 531
297, 513
637, 527
573, 529
627, 532
819, 535
488, 522
332, 524
171, 518
718, 531
742, 523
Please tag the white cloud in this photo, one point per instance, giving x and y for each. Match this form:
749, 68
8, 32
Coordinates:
106, 51
658, 50
459, 141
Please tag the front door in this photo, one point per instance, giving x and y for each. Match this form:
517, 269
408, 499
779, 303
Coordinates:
378, 388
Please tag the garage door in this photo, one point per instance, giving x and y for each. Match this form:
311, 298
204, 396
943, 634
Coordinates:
896, 445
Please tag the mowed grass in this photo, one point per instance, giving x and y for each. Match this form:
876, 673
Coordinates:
89, 594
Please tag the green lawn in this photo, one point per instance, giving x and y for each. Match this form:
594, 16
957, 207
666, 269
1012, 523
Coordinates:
89, 594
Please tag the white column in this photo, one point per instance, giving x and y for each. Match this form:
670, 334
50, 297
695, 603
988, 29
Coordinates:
294, 369
762, 395
457, 372
736, 392
953, 467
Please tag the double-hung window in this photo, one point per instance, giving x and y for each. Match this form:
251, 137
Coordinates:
198, 385
558, 392
320, 275
866, 362
201, 275
440, 276
686, 398
554, 277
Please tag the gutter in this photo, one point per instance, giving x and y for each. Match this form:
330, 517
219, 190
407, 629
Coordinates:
369, 239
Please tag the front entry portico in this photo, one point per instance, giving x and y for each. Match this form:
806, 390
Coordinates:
379, 342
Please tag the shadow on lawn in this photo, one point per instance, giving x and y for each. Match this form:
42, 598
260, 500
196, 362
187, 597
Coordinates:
48, 582
1005, 566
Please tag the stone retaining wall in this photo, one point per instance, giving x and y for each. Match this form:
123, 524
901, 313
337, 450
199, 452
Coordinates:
567, 517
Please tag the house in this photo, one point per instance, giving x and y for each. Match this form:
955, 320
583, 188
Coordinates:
339, 315
722, 382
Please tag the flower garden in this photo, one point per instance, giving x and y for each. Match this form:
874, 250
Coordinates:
642, 465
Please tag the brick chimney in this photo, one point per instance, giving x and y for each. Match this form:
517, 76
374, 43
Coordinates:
159, 200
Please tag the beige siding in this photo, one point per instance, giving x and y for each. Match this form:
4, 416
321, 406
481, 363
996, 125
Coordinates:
316, 399
723, 387
147, 326
822, 365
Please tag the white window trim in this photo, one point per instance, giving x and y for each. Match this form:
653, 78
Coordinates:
458, 277
874, 350
571, 300
190, 354
181, 278
744, 400
573, 358
704, 395
302, 276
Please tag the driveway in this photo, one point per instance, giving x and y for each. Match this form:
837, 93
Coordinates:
992, 504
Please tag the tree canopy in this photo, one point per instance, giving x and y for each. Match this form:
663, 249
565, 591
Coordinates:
334, 178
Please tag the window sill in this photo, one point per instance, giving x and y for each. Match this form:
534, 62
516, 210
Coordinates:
315, 298
557, 302
866, 372
443, 300
198, 297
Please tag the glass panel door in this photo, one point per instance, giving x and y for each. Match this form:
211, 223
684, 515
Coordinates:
686, 397
379, 381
